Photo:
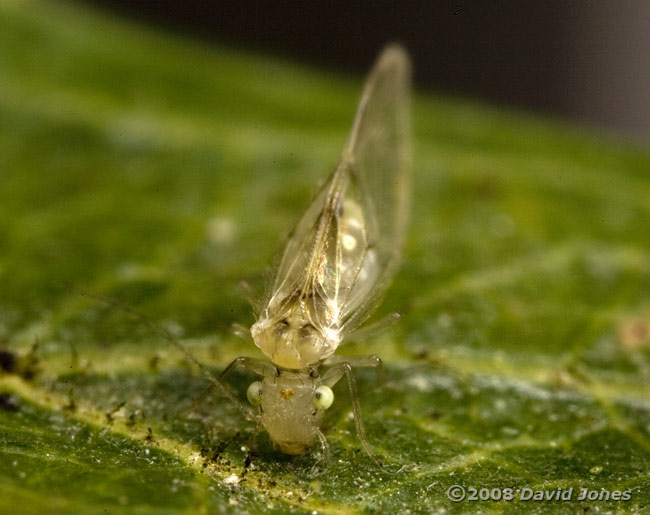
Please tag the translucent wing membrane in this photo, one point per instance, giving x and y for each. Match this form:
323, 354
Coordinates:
345, 249
377, 160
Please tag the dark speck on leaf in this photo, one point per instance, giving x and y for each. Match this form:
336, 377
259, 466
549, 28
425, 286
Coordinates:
153, 363
71, 406
7, 361
219, 449
8, 402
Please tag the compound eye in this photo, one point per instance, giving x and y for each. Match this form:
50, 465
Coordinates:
254, 393
323, 397
281, 327
307, 332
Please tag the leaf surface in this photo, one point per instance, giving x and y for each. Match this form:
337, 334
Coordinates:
159, 172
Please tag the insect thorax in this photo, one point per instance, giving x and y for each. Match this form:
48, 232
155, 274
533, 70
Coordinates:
293, 335
288, 411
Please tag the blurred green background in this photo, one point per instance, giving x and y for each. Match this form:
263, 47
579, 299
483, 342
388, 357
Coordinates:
160, 171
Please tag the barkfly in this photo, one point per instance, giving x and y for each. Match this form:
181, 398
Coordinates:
335, 267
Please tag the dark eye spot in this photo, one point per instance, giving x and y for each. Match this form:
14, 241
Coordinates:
307, 331
282, 326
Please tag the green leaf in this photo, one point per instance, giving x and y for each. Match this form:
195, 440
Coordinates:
159, 172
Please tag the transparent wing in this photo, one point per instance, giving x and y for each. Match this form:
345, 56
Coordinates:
346, 247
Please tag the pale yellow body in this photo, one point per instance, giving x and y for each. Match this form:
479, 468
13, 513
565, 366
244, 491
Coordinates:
288, 411
336, 265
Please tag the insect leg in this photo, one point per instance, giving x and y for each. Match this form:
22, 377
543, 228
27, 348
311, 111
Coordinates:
359, 361
330, 378
223, 389
325, 446
257, 366
196, 401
